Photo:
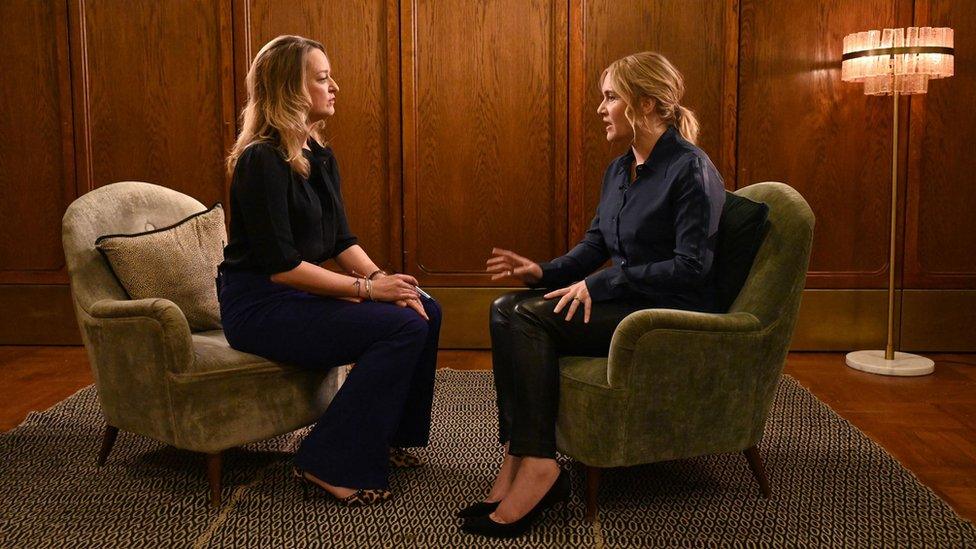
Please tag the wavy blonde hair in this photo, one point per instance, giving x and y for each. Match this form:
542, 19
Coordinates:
278, 102
649, 75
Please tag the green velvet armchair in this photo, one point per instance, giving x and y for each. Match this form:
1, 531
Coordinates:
680, 384
156, 378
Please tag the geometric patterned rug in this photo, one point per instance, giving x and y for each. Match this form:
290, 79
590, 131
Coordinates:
832, 486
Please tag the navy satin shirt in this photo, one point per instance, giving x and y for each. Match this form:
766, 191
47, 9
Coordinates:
278, 217
659, 231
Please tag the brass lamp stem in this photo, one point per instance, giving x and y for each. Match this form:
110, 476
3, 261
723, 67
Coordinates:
890, 348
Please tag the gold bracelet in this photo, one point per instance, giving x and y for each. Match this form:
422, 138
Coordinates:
373, 274
369, 289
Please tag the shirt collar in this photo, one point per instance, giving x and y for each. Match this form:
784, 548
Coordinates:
316, 149
661, 152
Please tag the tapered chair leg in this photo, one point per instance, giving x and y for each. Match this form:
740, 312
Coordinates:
758, 470
592, 488
213, 477
108, 440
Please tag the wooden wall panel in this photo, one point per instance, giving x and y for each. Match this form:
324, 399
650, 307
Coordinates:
800, 124
695, 36
940, 229
362, 42
36, 156
500, 142
37, 314
484, 100
154, 93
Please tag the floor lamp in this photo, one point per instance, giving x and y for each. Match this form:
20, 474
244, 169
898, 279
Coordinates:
895, 62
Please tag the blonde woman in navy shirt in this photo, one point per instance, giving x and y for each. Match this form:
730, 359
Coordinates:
277, 300
656, 222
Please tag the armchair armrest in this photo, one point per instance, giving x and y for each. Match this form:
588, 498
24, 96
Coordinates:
133, 346
155, 325
670, 327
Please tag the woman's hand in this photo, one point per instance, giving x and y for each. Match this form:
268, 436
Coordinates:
414, 304
574, 295
393, 288
504, 263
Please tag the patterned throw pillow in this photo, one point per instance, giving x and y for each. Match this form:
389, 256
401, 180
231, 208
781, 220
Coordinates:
178, 263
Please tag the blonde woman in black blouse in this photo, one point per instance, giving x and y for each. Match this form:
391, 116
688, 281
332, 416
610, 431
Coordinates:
277, 300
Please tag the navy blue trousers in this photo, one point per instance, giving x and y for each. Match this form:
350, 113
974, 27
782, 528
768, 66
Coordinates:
386, 399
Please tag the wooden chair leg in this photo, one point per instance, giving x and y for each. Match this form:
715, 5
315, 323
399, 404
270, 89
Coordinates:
592, 488
758, 470
108, 440
213, 476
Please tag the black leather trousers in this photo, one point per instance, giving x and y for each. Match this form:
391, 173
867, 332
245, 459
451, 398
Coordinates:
527, 340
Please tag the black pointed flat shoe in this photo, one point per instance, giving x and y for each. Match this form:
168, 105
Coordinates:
552, 496
478, 509
483, 525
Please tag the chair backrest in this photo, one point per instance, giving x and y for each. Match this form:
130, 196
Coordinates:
775, 283
119, 208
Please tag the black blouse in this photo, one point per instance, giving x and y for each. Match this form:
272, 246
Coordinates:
659, 231
279, 218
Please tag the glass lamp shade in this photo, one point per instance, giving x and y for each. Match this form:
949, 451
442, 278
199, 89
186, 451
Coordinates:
902, 60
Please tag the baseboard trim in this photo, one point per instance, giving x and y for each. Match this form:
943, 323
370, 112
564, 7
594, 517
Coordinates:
939, 320
830, 320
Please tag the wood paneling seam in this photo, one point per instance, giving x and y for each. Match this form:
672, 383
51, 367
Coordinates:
85, 94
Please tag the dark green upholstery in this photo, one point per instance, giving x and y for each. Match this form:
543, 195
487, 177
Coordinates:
679, 384
153, 376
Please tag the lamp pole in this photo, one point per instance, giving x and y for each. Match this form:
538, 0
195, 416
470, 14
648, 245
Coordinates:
890, 347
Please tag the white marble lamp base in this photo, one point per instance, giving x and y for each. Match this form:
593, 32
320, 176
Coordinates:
904, 364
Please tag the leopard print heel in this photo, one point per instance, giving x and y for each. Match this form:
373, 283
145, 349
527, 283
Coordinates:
362, 498
403, 459
359, 498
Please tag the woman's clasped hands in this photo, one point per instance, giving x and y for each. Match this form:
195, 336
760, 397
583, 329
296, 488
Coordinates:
399, 289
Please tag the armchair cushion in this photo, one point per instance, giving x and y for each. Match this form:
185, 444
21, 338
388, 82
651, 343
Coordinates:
740, 233
178, 263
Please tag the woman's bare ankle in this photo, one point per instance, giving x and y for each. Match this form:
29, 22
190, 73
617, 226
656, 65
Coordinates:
535, 477
337, 491
503, 481
543, 467
496, 494
499, 488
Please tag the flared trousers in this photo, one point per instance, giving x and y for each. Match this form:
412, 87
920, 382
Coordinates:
386, 398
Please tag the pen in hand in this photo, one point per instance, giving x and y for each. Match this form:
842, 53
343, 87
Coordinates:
415, 287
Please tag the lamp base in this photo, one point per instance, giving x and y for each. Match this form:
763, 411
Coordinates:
904, 364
